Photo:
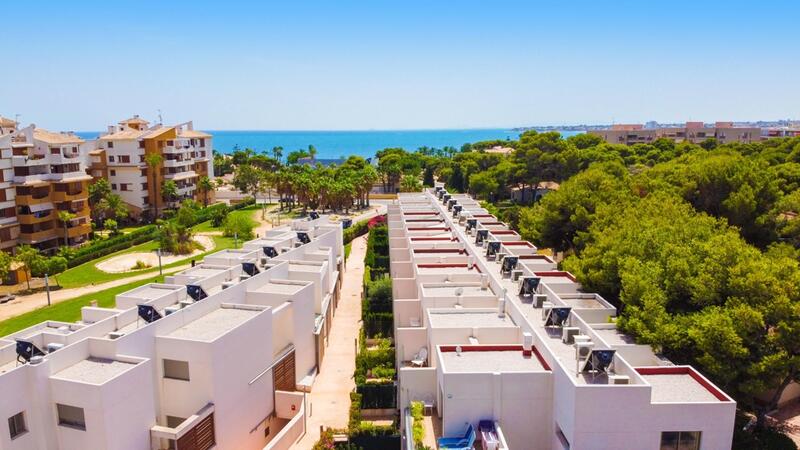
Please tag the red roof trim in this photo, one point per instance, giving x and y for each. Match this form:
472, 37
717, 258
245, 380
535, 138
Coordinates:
504, 232
556, 273
439, 250
518, 243
685, 370
544, 257
431, 266
421, 213
428, 229
454, 239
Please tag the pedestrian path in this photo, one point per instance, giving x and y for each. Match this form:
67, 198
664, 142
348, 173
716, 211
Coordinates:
329, 400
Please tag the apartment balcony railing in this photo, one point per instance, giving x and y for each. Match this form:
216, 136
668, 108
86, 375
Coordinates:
32, 200
36, 236
79, 230
39, 217
63, 196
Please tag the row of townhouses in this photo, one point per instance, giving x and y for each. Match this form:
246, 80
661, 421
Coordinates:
218, 356
695, 132
503, 348
43, 173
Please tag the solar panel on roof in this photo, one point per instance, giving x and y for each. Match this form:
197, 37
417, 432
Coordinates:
528, 285
148, 313
27, 350
481, 235
303, 237
196, 292
270, 252
250, 268
313, 215
509, 263
492, 248
599, 361
557, 316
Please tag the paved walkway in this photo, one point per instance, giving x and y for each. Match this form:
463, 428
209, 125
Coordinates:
329, 399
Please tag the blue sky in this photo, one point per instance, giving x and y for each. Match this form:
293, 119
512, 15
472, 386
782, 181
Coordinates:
392, 65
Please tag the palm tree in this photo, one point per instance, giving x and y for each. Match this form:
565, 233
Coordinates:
312, 153
206, 186
65, 217
169, 190
154, 161
277, 153
113, 205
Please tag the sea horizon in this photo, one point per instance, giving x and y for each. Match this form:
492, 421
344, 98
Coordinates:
334, 144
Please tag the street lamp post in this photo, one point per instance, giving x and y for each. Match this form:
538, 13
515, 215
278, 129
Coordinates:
47, 288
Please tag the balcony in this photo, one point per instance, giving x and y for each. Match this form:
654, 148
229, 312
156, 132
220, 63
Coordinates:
197, 431
177, 163
37, 236
32, 200
30, 219
79, 230
67, 196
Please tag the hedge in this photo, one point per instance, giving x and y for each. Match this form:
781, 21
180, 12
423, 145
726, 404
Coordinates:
378, 396
379, 324
355, 230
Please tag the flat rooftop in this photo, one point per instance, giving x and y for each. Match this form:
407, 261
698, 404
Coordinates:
458, 319
452, 291
677, 388
483, 361
612, 336
280, 288
446, 269
583, 303
312, 268
201, 272
94, 370
150, 292
214, 324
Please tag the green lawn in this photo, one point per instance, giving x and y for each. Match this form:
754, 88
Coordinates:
250, 211
347, 248
87, 273
69, 310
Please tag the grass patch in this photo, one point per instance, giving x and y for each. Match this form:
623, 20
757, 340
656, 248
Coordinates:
347, 249
87, 273
252, 211
69, 310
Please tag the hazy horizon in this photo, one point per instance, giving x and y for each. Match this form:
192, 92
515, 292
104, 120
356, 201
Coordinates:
361, 66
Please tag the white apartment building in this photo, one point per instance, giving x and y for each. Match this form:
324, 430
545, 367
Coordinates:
215, 357
500, 344
120, 156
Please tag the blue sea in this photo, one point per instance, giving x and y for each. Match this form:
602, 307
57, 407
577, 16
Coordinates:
336, 144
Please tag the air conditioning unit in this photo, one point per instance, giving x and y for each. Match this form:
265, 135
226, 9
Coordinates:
568, 334
499, 258
539, 300
583, 350
619, 379
54, 346
171, 309
515, 275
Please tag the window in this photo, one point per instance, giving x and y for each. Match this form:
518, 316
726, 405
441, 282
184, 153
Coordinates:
113, 186
680, 440
144, 186
141, 144
111, 145
110, 158
16, 425
55, 150
113, 173
125, 187
71, 416
144, 172
202, 142
124, 159
176, 370
141, 158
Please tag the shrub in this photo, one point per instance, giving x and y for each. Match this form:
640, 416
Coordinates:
383, 372
238, 225
140, 265
355, 230
177, 239
379, 296
417, 429
112, 226
218, 216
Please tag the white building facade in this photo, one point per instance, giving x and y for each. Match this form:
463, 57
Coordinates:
491, 334
218, 356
